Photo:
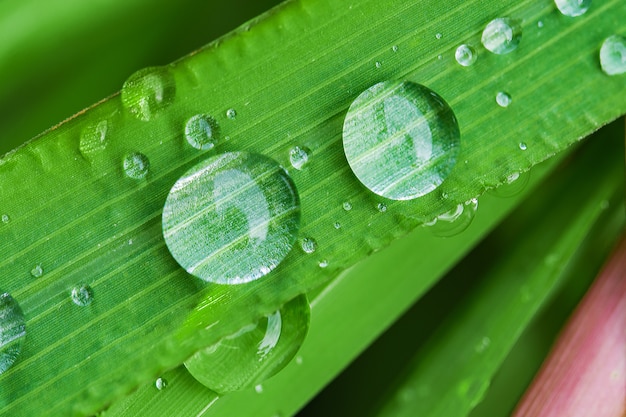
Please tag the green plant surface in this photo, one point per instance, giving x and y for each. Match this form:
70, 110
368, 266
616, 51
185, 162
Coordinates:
290, 77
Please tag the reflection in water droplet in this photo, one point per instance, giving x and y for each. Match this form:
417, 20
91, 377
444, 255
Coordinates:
309, 245
12, 331
299, 156
232, 218
37, 271
523, 146
93, 138
6, 219
347, 206
382, 207
573, 8
503, 99
502, 35
401, 139
161, 384
454, 221
148, 91
231, 114
202, 132
82, 295
613, 55
255, 353
136, 166
465, 55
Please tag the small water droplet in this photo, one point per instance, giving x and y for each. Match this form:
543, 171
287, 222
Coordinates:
523, 146
202, 132
378, 64
231, 114
394, 48
258, 388
337, 225
483, 344
401, 139
136, 166
455, 221
309, 245
161, 384
299, 156
347, 206
540, 24
12, 331
37, 271
82, 295
299, 360
93, 138
438, 35
573, 8
323, 263
465, 55
613, 55
382, 207
232, 218
6, 219
502, 35
514, 184
503, 99
148, 91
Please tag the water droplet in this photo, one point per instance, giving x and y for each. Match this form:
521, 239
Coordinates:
539, 24
382, 207
483, 344
299, 360
337, 225
82, 295
394, 48
613, 55
299, 156
255, 353
37, 271
503, 99
438, 35
93, 138
378, 64
465, 55
161, 384
202, 132
401, 139
347, 206
6, 219
258, 388
455, 221
231, 114
502, 35
523, 146
514, 184
232, 218
573, 8
136, 166
12, 331
309, 245
148, 91
323, 263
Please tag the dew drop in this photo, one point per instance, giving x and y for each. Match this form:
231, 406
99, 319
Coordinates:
438, 35
299, 157
394, 48
323, 263
148, 91
503, 99
401, 139
161, 383
465, 55
573, 8
299, 360
347, 206
37, 271
202, 132
255, 353
337, 225
12, 331
539, 24
523, 146
232, 218
136, 166
231, 114
613, 55
6, 219
93, 138
258, 388
82, 295
502, 35
378, 64
309, 245
455, 221
482, 345
513, 185
382, 207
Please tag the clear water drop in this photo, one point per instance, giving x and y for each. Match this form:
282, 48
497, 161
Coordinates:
6, 219
136, 165
378, 64
523, 146
540, 24
161, 383
455, 221
232, 218
337, 225
502, 35
82, 295
465, 55
231, 114
93, 138
12, 331
382, 207
514, 184
573, 8
202, 132
347, 206
299, 157
259, 389
148, 91
323, 263
255, 353
401, 139
299, 360
613, 55
483, 344
309, 245
395, 48
438, 35
503, 99
37, 271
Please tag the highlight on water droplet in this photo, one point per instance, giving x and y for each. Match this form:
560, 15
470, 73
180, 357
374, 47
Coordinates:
202, 132
136, 165
299, 156
401, 139
93, 138
82, 295
337, 225
231, 114
255, 353
12, 331
455, 221
161, 383
502, 35
613, 55
232, 218
309, 245
323, 263
523, 146
37, 271
503, 99
465, 55
382, 207
148, 91
6, 219
573, 8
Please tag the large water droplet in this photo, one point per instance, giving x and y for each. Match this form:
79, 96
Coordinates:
401, 139
136, 165
613, 55
148, 91
232, 218
573, 8
82, 295
12, 331
455, 221
503, 99
502, 35
299, 156
93, 138
465, 55
255, 353
202, 132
